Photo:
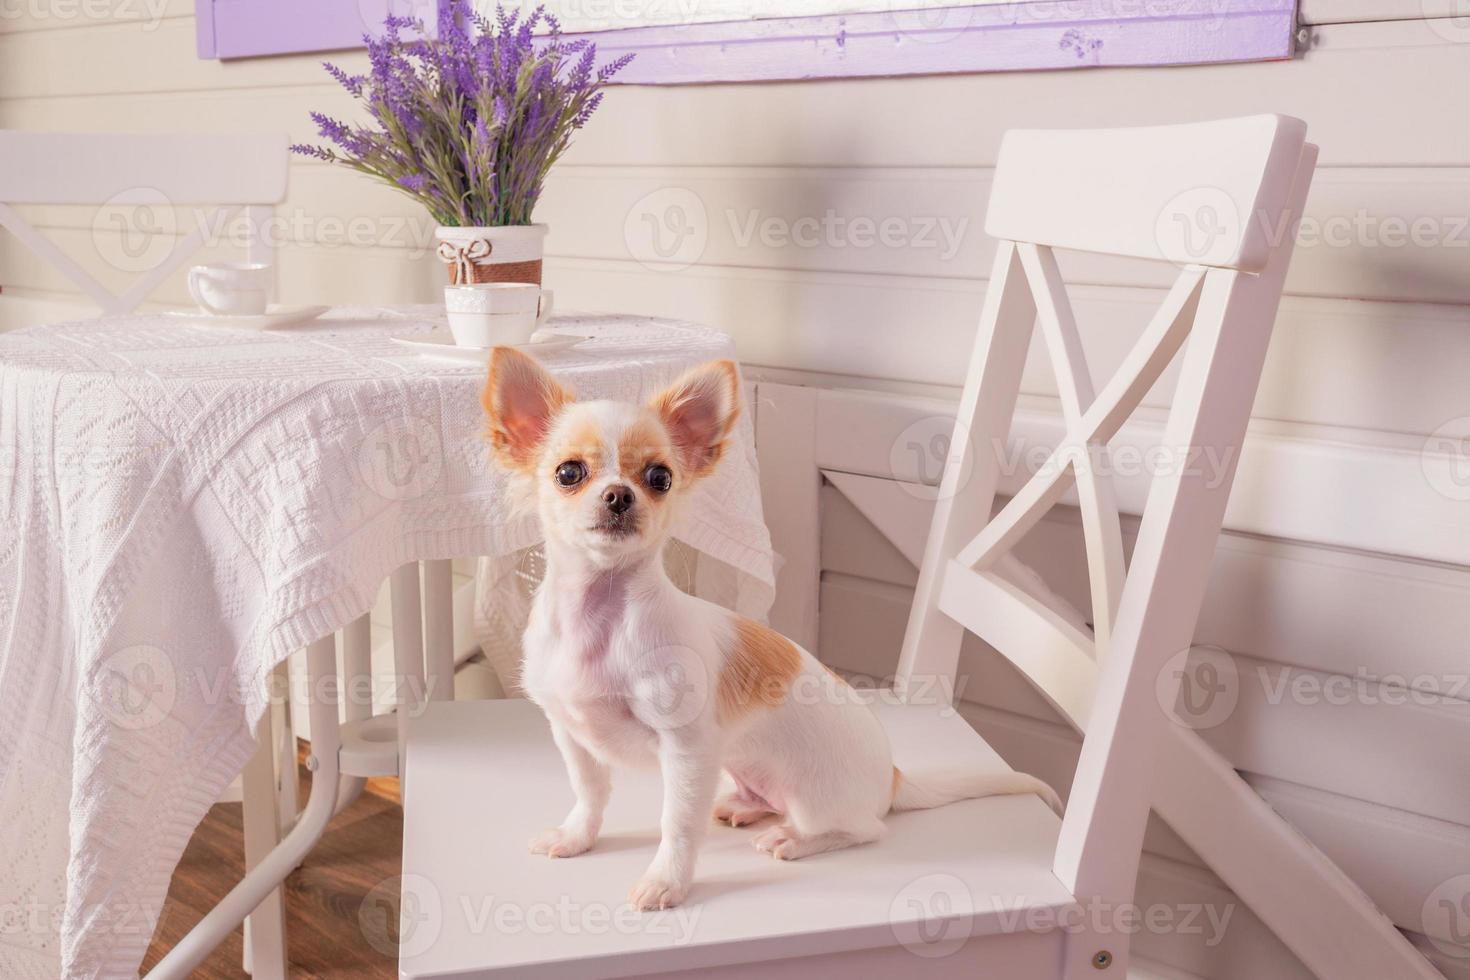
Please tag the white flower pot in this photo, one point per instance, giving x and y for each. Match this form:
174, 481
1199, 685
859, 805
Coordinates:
511, 253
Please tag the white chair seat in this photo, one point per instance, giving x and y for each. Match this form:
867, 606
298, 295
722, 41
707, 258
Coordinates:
483, 777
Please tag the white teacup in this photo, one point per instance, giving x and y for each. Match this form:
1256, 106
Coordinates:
489, 313
231, 289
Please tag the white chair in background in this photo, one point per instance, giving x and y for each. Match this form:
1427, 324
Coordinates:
227, 172
993, 887
220, 177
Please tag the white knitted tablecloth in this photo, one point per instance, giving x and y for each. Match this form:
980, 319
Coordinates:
181, 507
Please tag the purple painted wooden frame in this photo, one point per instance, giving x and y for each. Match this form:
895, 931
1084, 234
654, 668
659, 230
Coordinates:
1041, 34
246, 28
1045, 34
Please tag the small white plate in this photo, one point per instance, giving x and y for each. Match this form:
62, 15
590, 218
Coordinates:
284, 316
440, 345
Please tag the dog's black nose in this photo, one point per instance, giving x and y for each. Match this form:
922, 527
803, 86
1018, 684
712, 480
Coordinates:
618, 498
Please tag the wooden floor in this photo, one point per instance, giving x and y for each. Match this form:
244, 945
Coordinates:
341, 904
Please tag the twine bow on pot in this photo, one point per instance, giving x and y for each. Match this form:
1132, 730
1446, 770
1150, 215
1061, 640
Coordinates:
462, 258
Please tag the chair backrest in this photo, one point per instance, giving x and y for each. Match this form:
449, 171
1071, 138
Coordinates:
1223, 199
229, 171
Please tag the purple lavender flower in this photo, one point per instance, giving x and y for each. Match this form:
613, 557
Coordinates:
583, 114
315, 152
467, 122
339, 133
610, 69
582, 73
352, 83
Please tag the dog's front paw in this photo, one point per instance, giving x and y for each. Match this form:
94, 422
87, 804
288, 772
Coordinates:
558, 842
652, 893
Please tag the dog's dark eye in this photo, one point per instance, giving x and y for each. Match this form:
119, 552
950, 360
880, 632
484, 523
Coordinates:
570, 473
659, 478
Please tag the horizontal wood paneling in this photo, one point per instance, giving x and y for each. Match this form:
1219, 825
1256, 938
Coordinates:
1419, 647
74, 16
1380, 366
324, 274
933, 121
142, 55
1398, 234
1281, 483
1423, 852
1399, 858
23, 307
1350, 739
910, 329
1363, 11
1306, 727
1243, 950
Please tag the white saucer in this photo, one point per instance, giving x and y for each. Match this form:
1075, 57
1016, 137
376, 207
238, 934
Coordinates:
279, 317
440, 345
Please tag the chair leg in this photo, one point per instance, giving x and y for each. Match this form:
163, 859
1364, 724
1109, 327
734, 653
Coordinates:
408, 652
439, 630
357, 695
265, 928
283, 735
271, 869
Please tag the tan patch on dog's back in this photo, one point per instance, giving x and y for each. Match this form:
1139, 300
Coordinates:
758, 670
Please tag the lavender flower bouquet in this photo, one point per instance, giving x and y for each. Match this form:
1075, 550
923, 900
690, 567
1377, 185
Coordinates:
468, 123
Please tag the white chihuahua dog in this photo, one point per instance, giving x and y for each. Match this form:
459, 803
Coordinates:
610, 639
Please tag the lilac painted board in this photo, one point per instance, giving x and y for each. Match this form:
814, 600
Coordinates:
999, 37
243, 28
1049, 34
204, 27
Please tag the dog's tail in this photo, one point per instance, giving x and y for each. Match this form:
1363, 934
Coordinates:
938, 789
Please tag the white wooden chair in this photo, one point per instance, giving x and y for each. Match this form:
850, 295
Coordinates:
981, 887
228, 174
994, 887
228, 171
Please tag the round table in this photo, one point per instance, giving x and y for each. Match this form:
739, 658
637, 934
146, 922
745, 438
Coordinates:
184, 505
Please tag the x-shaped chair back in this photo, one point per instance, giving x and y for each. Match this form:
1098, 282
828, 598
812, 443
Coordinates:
230, 172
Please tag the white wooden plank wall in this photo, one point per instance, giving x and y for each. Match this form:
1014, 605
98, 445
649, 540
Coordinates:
835, 229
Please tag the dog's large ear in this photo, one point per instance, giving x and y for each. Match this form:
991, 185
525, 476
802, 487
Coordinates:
521, 400
699, 411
